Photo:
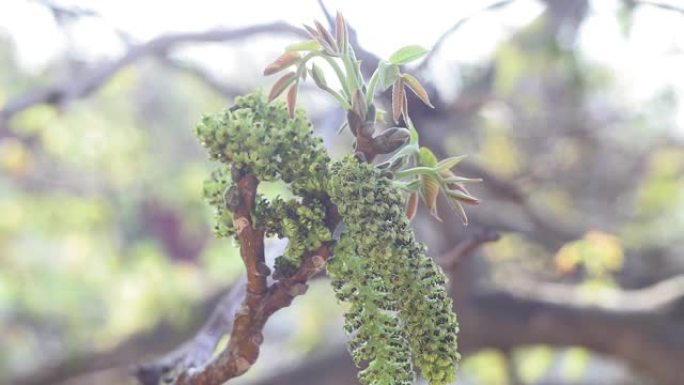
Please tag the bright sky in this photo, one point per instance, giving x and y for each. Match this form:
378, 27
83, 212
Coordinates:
652, 57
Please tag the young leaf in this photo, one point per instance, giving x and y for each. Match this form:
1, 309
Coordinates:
462, 197
458, 209
387, 74
457, 186
359, 104
390, 140
407, 54
308, 45
355, 121
413, 139
318, 76
397, 99
321, 40
341, 32
281, 84
448, 163
412, 205
426, 158
429, 191
404, 107
312, 32
292, 99
283, 61
451, 178
417, 89
327, 37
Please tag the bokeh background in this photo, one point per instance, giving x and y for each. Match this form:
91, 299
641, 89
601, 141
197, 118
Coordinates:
570, 110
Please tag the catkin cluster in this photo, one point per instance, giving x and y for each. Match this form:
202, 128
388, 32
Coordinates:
394, 288
378, 338
399, 311
302, 223
259, 138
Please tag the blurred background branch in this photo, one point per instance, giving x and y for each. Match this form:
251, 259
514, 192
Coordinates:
63, 93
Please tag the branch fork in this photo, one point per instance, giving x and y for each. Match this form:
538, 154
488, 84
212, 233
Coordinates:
259, 303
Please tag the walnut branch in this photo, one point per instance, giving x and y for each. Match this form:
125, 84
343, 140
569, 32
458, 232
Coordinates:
200, 347
260, 300
251, 239
245, 338
259, 303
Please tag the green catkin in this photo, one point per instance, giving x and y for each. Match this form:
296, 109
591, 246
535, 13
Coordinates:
372, 211
377, 339
259, 138
214, 190
399, 310
302, 223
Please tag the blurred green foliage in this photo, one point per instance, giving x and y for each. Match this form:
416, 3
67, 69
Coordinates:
102, 229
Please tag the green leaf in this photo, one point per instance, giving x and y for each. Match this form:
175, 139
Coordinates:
429, 191
458, 209
426, 158
291, 99
417, 89
327, 37
459, 179
398, 96
318, 76
411, 205
308, 45
341, 32
413, 139
448, 163
462, 197
387, 74
283, 61
281, 84
407, 54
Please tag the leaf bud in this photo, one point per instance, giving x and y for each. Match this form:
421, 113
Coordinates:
390, 140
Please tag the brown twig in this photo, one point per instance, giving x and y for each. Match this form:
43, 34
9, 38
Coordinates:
245, 338
196, 351
259, 303
250, 319
260, 300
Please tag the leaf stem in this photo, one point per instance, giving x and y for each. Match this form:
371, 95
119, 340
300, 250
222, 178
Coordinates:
371, 87
340, 75
352, 80
415, 171
339, 97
